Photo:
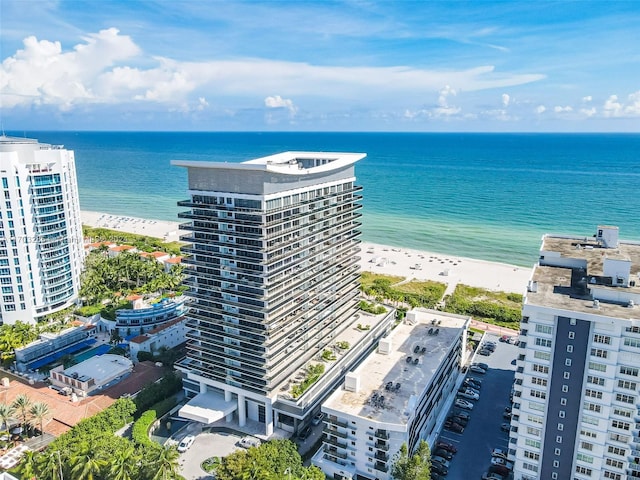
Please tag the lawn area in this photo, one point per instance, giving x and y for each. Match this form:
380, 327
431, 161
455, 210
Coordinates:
498, 308
368, 279
416, 293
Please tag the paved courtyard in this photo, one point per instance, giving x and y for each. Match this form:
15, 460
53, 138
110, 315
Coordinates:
206, 445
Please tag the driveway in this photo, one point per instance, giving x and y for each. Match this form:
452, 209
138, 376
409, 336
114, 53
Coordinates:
206, 445
483, 433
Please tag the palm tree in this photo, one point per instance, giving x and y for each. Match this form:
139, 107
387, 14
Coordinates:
86, 466
166, 464
49, 466
6, 411
39, 412
21, 404
28, 466
125, 464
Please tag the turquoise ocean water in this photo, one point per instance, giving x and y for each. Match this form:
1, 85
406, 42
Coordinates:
486, 196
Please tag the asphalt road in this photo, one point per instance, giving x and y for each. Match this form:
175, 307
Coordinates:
483, 433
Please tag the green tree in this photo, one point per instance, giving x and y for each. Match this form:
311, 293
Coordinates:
86, 464
39, 412
124, 465
6, 412
414, 467
21, 405
165, 464
28, 469
49, 466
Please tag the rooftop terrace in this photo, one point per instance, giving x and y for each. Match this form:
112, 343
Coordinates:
400, 376
574, 271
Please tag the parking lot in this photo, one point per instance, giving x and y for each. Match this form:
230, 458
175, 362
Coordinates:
482, 433
206, 444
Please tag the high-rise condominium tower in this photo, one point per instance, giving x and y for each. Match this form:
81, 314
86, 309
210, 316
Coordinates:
41, 248
576, 395
273, 277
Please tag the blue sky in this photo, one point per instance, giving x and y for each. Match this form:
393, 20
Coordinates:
352, 65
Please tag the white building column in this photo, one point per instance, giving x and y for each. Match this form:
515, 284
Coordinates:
242, 411
228, 396
268, 419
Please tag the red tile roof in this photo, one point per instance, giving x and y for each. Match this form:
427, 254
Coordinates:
121, 248
139, 339
166, 325
174, 260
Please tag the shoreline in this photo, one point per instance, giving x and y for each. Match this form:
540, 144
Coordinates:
377, 258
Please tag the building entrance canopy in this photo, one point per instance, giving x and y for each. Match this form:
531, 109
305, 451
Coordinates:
207, 408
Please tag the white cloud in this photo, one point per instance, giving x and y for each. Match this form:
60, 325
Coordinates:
588, 112
277, 101
444, 109
41, 73
613, 107
105, 68
560, 109
587, 99
540, 109
505, 99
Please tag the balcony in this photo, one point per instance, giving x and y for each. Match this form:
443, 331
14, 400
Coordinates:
381, 467
384, 457
333, 452
336, 432
381, 434
329, 440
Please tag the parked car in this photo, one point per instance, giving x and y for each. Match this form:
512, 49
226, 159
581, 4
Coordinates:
453, 426
439, 469
481, 365
505, 427
441, 452
484, 352
498, 452
467, 405
437, 476
499, 461
317, 418
440, 460
450, 447
472, 383
186, 442
462, 414
477, 369
489, 346
304, 434
491, 476
460, 420
469, 394
506, 415
499, 470
504, 338
248, 442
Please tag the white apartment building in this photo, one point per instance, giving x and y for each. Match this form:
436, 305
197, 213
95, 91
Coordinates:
576, 394
273, 276
399, 394
41, 251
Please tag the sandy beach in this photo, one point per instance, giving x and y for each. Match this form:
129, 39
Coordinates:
168, 231
449, 269
421, 265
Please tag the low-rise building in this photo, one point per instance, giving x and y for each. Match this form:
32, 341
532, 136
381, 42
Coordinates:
144, 317
169, 335
398, 394
93, 374
51, 346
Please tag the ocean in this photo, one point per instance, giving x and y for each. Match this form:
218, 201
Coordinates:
485, 196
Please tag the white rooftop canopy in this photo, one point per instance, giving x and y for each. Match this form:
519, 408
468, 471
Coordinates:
207, 408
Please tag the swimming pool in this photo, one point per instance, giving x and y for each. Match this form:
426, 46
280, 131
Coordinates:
99, 350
